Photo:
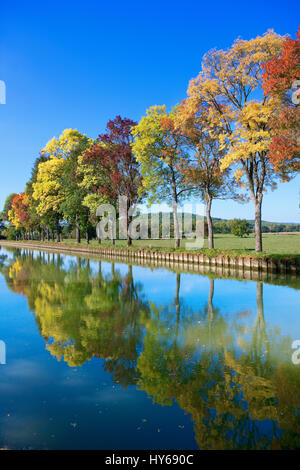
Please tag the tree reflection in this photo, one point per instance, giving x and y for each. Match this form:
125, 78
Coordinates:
81, 314
231, 372
225, 375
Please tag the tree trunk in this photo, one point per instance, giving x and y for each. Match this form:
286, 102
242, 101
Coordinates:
129, 220
87, 237
176, 227
175, 214
258, 234
209, 221
58, 233
256, 185
77, 233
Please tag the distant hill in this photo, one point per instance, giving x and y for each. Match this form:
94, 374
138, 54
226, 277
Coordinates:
224, 225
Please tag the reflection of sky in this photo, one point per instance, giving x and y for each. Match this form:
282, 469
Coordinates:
46, 404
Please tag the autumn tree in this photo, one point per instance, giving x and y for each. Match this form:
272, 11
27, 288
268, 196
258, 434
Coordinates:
2, 226
19, 214
47, 191
52, 188
38, 222
281, 78
73, 208
120, 168
230, 83
8, 206
91, 176
158, 147
202, 167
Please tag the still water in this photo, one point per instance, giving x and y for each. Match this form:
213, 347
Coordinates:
104, 355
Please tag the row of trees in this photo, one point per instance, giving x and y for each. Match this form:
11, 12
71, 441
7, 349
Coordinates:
234, 136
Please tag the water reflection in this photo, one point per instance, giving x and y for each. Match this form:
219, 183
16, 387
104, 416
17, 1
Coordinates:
232, 373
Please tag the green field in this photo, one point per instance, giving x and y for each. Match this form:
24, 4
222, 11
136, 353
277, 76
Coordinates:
281, 244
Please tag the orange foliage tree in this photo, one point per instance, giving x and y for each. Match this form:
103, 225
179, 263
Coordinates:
281, 75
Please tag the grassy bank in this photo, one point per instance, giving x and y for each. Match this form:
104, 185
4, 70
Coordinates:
277, 245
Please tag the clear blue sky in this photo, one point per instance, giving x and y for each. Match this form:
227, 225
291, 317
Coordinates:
79, 63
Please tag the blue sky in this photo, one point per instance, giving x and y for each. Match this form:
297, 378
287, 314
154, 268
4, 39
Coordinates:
74, 64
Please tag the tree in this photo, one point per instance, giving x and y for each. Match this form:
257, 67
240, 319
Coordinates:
48, 191
158, 147
91, 176
8, 206
240, 227
53, 189
68, 141
19, 215
2, 226
72, 206
229, 82
120, 168
279, 77
37, 221
203, 168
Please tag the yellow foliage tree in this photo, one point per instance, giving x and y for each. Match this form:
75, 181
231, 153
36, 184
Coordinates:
230, 84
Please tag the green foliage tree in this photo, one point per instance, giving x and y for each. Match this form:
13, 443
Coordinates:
240, 228
2, 226
159, 147
7, 206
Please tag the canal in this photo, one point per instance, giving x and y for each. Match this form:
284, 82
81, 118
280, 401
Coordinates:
106, 355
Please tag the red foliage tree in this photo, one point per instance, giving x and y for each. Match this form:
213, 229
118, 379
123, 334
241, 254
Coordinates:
278, 78
21, 210
113, 152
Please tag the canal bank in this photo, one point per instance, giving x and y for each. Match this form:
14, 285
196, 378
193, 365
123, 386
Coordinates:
240, 266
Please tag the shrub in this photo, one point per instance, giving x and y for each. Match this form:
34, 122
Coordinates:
240, 227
